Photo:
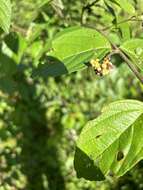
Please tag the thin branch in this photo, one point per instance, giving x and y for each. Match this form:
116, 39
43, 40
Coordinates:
18, 29
131, 19
115, 51
131, 66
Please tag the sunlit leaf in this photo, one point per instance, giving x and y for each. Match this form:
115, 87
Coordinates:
5, 14
113, 142
125, 5
74, 47
134, 49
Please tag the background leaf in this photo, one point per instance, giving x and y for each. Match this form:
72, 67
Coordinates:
125, 31
134, 49
5, 14
125, 5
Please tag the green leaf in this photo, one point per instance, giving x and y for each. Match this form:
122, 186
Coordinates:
134, 49
113, 142
15, 46
53, 67
76, 41
125, 5
74, 47
58, 7
40, 3
58, 4
125, 31
5, 14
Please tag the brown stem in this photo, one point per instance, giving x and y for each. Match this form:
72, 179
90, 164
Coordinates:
18, 29
124, 21
131, 19
128, 62
131, 66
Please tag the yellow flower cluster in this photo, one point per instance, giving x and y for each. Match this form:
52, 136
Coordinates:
101, 69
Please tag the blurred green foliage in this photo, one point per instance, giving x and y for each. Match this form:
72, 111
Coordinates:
40, 119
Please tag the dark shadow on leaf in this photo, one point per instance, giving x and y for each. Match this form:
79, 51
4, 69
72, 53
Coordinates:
12, 41
51, 67
7, 69
86, 168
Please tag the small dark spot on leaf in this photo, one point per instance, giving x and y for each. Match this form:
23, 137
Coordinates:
98, 136
111, 174
120, 155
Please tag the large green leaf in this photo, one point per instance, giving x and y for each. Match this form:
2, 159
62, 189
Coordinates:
78, 41
134, 49
74, 47
5, 14
112, 143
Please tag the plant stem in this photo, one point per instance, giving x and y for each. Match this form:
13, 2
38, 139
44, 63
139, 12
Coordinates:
128, 62
131, 66
124, 21
131, 19
18, 29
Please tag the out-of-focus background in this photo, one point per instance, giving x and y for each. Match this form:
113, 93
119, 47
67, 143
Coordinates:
40, 119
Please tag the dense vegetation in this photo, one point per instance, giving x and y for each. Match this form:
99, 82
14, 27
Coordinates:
41, 116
